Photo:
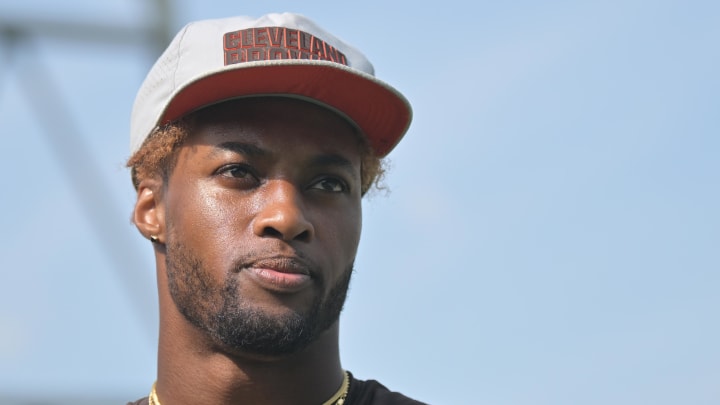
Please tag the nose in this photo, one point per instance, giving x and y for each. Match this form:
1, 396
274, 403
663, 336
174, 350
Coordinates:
282, 214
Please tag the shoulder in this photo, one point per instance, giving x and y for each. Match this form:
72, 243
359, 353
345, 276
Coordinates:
371, 392
141, 401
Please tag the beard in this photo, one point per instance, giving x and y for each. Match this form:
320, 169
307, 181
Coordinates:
239, 326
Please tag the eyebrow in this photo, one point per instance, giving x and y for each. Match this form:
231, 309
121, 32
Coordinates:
251, 150
334, 160
241, 148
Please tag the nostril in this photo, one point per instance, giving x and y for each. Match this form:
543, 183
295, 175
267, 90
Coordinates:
272, 232
303, 236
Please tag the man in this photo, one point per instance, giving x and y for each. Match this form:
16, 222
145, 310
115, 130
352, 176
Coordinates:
252, 143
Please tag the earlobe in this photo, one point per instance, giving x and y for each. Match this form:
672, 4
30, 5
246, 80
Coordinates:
149, 213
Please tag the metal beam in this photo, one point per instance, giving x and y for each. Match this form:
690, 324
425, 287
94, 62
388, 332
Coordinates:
80, 31
62, 133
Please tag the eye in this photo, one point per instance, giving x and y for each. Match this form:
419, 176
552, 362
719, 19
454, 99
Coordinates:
330, 184
238, 172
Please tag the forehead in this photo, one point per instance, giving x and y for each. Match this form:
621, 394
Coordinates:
270, 122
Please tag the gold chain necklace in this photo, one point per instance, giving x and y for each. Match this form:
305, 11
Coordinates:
337, 399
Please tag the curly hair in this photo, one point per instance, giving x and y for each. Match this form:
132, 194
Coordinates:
158, 156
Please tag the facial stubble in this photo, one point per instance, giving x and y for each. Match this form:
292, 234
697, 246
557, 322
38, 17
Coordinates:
227, 318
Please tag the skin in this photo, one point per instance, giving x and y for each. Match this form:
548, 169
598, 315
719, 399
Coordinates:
260, 189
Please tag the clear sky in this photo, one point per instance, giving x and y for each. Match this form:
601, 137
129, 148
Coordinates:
551, 235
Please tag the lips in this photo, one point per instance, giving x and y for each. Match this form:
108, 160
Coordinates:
282, 274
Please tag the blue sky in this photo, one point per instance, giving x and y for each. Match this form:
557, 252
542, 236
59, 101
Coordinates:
551, 235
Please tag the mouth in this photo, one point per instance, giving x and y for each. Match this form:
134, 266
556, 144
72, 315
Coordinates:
280, 274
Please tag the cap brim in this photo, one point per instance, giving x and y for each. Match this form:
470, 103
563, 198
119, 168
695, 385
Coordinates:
379, 110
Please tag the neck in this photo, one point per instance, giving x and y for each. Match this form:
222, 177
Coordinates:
310, 377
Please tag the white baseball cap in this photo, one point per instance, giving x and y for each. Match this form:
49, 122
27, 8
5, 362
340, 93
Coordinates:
211, 61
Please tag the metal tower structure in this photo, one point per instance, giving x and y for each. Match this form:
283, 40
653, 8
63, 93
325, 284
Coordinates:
62, 134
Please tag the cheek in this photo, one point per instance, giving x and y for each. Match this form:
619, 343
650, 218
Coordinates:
207, 219
339, 233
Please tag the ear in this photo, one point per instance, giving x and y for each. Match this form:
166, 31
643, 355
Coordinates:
149, 212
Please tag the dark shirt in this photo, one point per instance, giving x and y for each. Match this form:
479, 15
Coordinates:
371, 392
361, 392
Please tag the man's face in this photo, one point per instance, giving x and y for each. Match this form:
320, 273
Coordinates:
263, 220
